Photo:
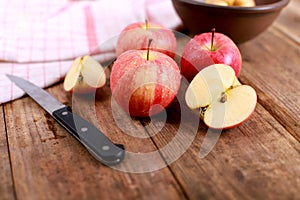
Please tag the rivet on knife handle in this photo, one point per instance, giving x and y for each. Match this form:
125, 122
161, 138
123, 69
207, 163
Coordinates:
91, 137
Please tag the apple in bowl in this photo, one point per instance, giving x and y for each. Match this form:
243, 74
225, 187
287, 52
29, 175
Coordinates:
137, 35
223, 102
243, 3
209, 48
84, 76
144, 82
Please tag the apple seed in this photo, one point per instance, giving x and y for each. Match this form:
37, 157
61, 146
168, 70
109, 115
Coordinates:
80, 78
223, 97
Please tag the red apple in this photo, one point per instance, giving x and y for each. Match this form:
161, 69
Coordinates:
137, 35
141, 79
222, 100
206, 49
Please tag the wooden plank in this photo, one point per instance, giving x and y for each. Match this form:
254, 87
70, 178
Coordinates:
275, 76
6, 183
258, 160
289, 21
47, 163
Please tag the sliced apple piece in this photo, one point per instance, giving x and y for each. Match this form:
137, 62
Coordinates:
222, 100
85, 75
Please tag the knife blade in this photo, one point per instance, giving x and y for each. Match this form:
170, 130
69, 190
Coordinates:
87, 134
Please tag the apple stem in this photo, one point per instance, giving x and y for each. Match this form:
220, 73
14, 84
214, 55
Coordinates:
223, 97
212, 38
202, 111
148, 49
146, 22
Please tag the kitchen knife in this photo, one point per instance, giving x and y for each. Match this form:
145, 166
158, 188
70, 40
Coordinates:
88, 135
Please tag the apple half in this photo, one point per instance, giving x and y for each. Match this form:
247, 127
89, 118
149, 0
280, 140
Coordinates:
85, 75
223, 101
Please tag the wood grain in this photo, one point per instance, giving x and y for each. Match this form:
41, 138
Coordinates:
258, 160
47, 163
289, 21
6, 183
275, 77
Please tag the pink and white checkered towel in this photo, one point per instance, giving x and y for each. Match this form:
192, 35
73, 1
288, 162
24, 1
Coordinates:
39, 39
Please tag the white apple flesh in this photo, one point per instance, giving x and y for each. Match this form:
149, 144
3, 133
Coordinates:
223, 102
84, 76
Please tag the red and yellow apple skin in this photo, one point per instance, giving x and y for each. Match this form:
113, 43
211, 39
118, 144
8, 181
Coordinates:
137, 84
137, 35
198, 54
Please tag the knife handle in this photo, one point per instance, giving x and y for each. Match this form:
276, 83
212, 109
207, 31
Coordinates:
92, 138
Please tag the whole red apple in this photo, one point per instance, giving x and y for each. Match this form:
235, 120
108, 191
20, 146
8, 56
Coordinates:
209, 48
137, 35
144, 82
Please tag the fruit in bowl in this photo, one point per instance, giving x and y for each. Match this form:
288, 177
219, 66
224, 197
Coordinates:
137, 35
84, 76
209, 48
220, 2
240, 23
223, 102
245, 3
144, 82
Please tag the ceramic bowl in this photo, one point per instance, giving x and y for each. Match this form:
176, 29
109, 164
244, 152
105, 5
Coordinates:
239, 23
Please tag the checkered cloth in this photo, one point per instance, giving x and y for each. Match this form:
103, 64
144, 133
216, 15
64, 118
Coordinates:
39, 39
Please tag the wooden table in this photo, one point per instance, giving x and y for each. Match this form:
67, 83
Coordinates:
258, 160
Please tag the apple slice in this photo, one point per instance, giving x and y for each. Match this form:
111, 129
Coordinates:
85, 75
223, 101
